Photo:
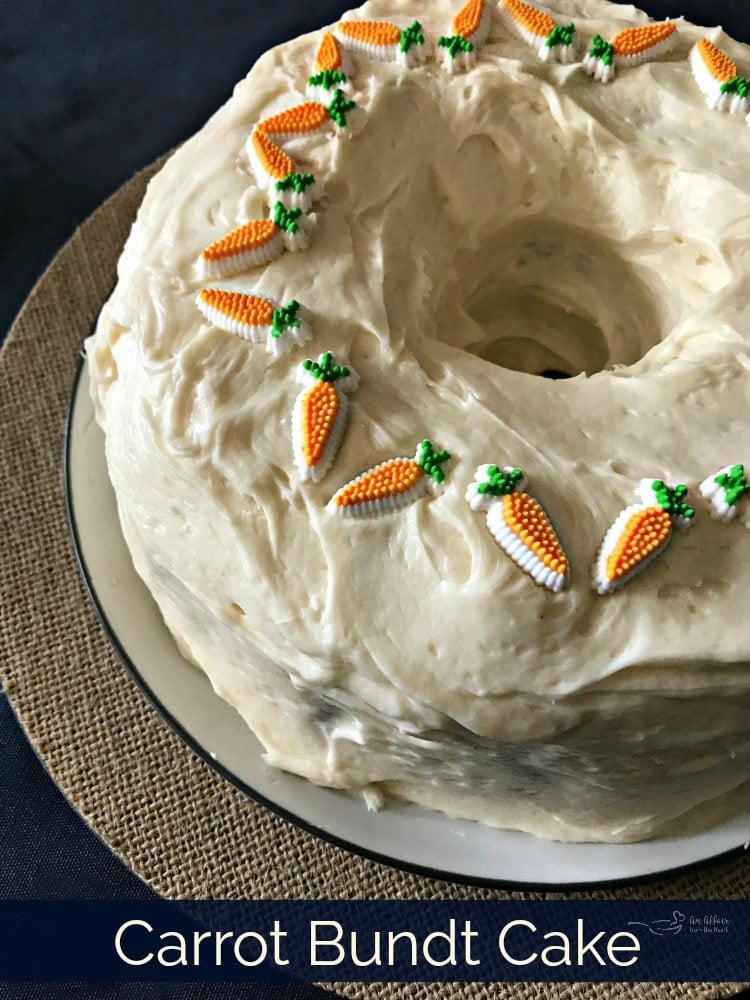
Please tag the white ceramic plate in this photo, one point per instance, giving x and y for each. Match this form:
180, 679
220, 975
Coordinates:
404, 837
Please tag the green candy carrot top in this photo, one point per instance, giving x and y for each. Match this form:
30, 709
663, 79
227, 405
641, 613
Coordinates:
729, 493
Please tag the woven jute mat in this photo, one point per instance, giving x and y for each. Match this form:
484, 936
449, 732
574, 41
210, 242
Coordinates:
181, 827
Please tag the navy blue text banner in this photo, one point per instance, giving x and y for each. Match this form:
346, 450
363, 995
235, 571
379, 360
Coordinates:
534, 941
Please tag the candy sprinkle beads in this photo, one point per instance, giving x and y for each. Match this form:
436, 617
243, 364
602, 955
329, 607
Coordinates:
519, 525
718, 79
256, 243
640, 533
330, 71
729, 493
383, 40
320, 414
552, 42
392, 485
255, 318
468, 33
279, 175
630, 47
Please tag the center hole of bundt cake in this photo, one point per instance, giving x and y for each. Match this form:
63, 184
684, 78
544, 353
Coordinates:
554, 300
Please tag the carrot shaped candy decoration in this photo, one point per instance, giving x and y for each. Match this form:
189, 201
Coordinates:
640, 533
729, 493
252, 245
718, 79
279, 175
320, 414
383, 40
553, 42
256, 243
392, 485
309, 118
519, 525
301, 120
255, 318
330, 70
468, 33
630, 47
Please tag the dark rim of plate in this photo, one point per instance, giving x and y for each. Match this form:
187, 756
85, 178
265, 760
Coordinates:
195, 746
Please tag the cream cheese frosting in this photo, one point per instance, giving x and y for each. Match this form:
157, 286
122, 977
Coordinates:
482, 227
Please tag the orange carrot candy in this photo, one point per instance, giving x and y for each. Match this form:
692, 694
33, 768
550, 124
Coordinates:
519, 525
256, 243
320, 414
383, 40
279, 175
392, 485
630, 47
467, 34
553, 42
255, 318
303, 119
330, 70
718, 79
310, 118
729, 493
640, 533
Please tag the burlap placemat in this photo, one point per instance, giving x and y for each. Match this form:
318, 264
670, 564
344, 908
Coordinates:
185, 830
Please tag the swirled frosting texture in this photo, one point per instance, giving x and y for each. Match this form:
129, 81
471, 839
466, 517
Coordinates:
480, 229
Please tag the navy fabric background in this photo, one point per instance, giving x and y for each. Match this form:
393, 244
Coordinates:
90, 92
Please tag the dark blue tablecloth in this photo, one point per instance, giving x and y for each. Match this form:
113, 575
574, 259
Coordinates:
90, 92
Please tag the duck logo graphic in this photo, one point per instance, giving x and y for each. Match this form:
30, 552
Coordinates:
663, 927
